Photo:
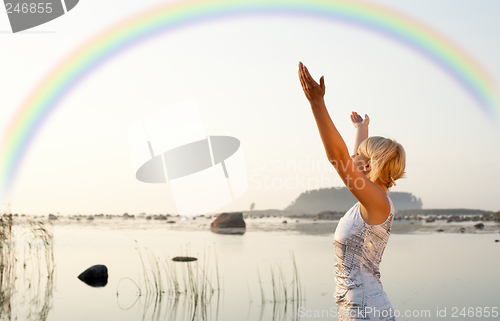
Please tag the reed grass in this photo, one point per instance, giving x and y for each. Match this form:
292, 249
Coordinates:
27, 280
282, 290
286, 296
7, 265
165, 282
263, 297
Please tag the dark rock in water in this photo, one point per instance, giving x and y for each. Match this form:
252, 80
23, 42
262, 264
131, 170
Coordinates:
497, 240
479, 226
440, 230
184, 259
170, 222
52, 217
284, 222
96, 276
229, 230
462, 229
226, 220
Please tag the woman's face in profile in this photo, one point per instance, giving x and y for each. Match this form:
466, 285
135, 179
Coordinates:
361, 163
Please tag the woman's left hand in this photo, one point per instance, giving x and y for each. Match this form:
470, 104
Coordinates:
358, 121
314, 91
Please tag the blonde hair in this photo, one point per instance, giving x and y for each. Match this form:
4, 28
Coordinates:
387, 159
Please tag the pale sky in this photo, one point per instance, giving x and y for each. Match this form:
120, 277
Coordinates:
243, 73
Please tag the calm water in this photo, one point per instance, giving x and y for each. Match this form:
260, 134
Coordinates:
422, 270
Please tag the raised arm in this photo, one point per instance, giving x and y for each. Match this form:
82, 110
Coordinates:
332, 141
375, 206
361, 129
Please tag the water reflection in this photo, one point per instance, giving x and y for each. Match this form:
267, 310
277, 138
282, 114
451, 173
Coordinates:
160, 307
229, 230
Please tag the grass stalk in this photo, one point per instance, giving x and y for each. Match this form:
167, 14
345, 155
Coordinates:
161, 277
25, 291
263, 297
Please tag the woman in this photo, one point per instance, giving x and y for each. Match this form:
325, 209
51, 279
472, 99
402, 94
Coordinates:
363, 232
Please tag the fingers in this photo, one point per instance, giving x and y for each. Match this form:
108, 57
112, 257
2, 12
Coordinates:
307, 75
356, 117
306, 86
305, 72
301, 75
303, 81
366, 120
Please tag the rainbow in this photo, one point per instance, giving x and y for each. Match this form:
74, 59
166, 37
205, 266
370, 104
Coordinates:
66, 76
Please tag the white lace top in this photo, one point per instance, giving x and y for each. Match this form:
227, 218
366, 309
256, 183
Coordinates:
358, 253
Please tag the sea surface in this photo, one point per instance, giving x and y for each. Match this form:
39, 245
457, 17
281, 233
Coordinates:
427, 275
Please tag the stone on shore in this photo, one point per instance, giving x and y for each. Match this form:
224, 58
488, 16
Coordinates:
184, 259
95, 276
229, 220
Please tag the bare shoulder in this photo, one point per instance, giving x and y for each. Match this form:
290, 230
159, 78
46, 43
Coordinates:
375, 206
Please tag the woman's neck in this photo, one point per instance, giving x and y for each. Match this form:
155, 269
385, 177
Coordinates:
382, 186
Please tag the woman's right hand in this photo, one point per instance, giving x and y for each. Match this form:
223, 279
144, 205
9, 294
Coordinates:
313, 91
357, 120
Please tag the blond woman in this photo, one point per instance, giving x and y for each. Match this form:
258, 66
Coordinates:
363, 232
